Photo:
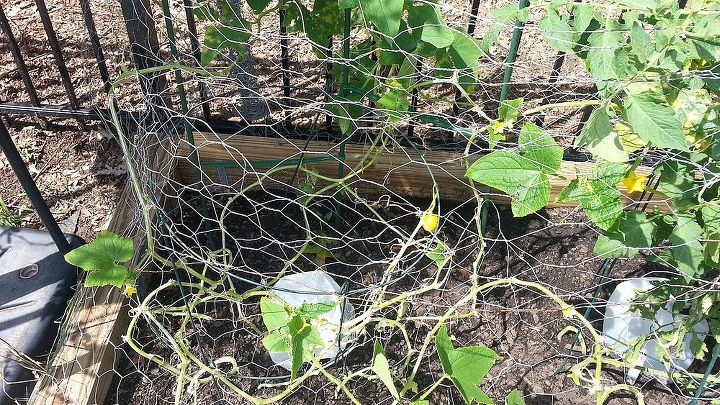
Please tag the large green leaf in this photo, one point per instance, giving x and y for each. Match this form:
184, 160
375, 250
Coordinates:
557, 31
381, 368
522, 178
711, 217
606, 247
687, 248
677, 182
536, 145
600, 139
600, 57
116, 275
394, 51
107, 250
465, 51
384, 14
635, 229
312, 310
274, 313
465, 366
583, 14
641, 42
523, 174
428, 25
654, 121
597, 193
103, 258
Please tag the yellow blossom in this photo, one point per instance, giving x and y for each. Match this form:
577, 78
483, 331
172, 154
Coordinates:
130, 290
634, 182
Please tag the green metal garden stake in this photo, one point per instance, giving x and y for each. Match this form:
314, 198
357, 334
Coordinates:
343, 93
507, 75
512, 54
708, 371
194, 158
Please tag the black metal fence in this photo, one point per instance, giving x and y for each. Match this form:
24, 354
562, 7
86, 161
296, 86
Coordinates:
142, 34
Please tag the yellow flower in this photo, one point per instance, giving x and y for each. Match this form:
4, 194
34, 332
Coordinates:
500, 126
130, 290
633, 182
430, 222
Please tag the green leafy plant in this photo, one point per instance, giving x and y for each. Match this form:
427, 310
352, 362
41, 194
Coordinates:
9, 216
104, 260
652, 69
537, 157
380, 68
464, 366
291, 330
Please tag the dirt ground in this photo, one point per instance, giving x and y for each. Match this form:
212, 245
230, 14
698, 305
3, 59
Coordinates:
81, 175
553, 248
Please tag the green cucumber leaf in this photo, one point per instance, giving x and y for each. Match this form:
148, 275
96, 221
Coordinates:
103, 259
514, 398
311, 310
606, 247
528, 186
536, 145
115, 275
465, 366
428, 25
635, 230
510, 109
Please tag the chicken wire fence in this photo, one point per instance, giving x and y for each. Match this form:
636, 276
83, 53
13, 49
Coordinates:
312, 230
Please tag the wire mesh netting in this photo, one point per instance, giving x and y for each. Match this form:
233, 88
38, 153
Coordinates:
344, 201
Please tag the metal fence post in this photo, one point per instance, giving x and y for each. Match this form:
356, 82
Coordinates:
57, 53
28, 184
144, 47
20, 62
